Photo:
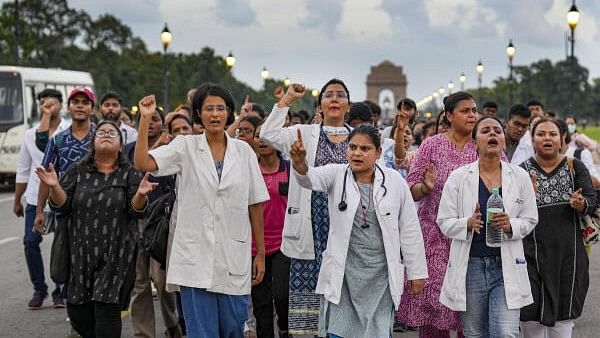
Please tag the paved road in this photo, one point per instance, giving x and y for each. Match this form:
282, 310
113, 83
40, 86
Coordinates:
15, 289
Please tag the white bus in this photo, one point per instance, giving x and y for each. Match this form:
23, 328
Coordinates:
18, 108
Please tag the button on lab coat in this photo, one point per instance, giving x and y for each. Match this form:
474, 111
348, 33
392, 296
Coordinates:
212, 240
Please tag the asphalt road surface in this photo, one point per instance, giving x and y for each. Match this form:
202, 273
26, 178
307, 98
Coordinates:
16, 290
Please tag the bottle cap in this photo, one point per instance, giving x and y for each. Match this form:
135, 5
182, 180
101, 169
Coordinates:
495, 190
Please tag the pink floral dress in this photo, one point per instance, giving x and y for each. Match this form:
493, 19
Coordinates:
425, 309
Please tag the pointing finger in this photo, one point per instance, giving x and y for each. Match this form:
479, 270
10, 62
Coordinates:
300, 137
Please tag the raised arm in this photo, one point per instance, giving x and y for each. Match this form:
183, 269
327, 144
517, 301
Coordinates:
272, 131
142, 160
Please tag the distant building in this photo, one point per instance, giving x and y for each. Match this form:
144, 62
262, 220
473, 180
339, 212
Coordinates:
386, 85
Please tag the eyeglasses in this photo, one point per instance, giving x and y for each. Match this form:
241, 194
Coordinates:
339, 95
245, 131
107, 134
212, 109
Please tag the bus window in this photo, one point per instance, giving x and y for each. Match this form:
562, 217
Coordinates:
11, 99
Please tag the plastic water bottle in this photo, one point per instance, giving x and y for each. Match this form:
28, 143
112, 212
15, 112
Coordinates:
493, 236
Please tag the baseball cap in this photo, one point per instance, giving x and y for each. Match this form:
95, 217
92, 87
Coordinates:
82, 90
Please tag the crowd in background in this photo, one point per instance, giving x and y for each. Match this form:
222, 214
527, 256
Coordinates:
334, 223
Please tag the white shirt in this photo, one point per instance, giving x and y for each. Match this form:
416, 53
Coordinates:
524, 150
129, 133
211, 246
586, 158
457, 204
30, 157
397, 217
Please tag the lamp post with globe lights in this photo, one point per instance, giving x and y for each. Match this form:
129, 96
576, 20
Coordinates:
510, 53
479, 69
165, 39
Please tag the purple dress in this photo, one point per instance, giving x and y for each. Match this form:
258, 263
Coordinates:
426, 309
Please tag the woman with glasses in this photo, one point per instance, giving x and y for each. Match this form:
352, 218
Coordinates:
306, 224
219, 207
436, 158
102, 196
247, 128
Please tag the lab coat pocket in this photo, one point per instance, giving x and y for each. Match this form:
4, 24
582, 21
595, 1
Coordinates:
239, 227
522, 279
239, 258
293, 222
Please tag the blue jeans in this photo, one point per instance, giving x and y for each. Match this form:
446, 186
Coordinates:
487, 314
33, 255
209, 314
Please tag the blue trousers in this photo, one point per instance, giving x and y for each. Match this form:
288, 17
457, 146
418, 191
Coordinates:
487, 314
33, 255
209, 314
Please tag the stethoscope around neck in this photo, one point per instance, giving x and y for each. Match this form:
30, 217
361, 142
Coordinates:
342, 206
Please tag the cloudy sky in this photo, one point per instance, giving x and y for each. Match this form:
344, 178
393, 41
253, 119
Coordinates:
311, 41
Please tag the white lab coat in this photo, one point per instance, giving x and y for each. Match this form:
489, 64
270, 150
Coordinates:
397, 216
458, 203
211, 246
297, 240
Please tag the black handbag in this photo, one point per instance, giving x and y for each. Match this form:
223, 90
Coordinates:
155, 235
60, 255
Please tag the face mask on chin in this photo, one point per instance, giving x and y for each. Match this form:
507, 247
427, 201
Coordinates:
571, 128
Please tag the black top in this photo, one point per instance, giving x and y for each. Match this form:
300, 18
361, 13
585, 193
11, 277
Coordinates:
101, 223
478, 246
556, 260
165, 183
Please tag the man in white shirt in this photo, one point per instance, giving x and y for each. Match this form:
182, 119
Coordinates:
518, 139
111, 107
27, 184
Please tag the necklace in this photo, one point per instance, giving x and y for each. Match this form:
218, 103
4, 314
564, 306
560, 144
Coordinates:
489, 179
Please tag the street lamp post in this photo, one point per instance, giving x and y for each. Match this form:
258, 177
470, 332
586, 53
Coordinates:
572, 20
479, 69
16, 32
510, 52
230, 61
264, 73
165, 38
462, 78
286, 82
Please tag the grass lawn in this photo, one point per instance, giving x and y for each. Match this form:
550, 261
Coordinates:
593, 132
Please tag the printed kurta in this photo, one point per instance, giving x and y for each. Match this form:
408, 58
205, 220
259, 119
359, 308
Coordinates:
426, 309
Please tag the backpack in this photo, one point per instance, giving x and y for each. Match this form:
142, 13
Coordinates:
154, 237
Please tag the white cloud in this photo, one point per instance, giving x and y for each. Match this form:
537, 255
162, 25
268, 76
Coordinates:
365, 20
466, 15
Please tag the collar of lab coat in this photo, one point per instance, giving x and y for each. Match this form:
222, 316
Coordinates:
507, 180
231, 152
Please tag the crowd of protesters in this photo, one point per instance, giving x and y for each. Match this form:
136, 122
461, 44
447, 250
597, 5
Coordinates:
333, 223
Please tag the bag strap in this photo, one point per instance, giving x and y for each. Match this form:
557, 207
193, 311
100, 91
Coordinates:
571, 167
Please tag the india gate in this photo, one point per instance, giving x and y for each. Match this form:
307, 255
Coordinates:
386, 85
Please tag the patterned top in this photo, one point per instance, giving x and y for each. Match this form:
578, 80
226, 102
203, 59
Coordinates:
425, 309
101, 225
65, 149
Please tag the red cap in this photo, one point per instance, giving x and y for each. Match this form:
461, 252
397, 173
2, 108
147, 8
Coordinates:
85, 91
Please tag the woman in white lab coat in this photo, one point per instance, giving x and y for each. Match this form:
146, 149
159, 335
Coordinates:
218, 202
374, 232
488, 285
306, 223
